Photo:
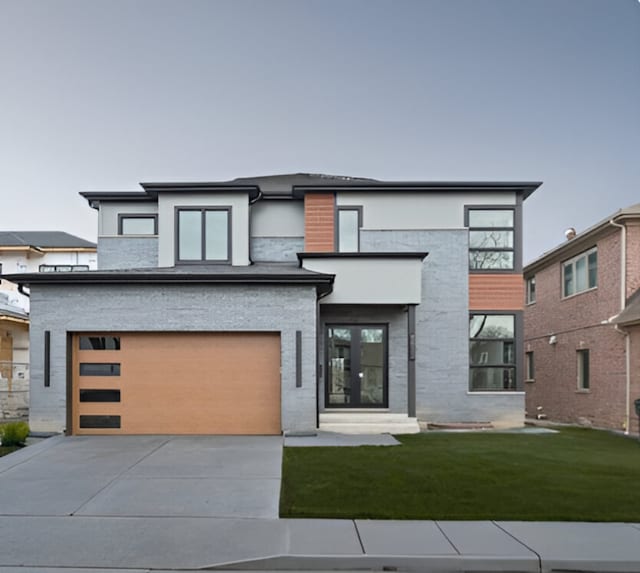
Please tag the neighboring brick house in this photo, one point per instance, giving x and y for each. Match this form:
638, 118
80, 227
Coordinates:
25, 252
582, 326
286, 303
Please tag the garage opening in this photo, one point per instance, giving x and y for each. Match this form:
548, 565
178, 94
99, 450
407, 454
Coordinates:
176, 383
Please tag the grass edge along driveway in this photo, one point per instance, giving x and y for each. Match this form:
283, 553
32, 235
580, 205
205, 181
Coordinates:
574, 475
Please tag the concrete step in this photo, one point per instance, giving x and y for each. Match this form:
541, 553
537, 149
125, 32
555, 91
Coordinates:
359, 422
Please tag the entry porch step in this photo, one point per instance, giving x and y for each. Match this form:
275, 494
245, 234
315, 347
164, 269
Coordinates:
367, 422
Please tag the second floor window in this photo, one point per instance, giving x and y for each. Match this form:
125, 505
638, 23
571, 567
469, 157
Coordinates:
203, 235
580, 273
491, 239
138, 225
349, 230
531, 290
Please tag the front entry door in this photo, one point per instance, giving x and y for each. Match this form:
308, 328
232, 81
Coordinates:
356, 366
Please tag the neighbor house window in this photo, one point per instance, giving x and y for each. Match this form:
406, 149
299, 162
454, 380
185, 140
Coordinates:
583, 369
580, 273
137, 224
492, 357
531, 290
62, 268
491, 239
203, 235
349, 222
529, 365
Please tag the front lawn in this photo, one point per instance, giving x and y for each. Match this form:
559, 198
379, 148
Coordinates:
574, 475
7, 450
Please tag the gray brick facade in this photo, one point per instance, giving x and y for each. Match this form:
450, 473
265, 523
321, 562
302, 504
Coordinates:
442, 330
127, 252
276, 249
123, 308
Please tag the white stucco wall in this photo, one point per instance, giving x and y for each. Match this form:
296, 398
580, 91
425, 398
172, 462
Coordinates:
408, 211
277, 218
239, 204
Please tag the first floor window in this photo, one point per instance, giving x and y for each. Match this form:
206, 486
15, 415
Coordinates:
492, 360
203, 235
583, 369
530, 372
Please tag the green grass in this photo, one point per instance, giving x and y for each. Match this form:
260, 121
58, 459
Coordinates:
574, 475
7, 450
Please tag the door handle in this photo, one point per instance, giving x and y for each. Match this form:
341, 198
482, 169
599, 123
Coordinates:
360, 375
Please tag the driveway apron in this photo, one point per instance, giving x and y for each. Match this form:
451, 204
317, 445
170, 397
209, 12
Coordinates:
145, 476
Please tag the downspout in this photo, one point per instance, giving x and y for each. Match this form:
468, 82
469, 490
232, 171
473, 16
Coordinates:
22, 291
623, 302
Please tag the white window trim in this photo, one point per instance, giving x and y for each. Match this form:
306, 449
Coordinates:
572, 262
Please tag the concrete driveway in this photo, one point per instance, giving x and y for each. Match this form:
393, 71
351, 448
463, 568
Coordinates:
144, 476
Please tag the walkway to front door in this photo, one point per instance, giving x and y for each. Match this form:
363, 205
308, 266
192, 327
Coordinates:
356, 366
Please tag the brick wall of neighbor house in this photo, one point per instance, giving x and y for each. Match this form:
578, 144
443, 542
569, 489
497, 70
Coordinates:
127, 252
194, 308
442, 331
577, 323
319, 222
633, 257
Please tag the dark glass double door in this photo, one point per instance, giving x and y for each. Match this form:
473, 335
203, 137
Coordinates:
356, 366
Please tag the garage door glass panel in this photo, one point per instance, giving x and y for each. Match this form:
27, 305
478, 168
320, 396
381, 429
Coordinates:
99, 395
99, 343
99, 369
99, 422
189, 235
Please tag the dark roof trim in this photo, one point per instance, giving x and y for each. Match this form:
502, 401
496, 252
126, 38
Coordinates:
394, 255
323, 281
524, 187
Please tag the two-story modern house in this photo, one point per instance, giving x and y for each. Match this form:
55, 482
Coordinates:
582, 326
28, 252
283, 304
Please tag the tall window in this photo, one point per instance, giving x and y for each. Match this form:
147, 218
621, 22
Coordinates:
492, 357
349, 221
203, 235
491, 239
580, 273
529, 365
583, 369
531, 290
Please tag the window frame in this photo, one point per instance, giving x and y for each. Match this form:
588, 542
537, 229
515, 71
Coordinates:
516, 365
528, 291
516, 208
203, 209
122, 216
340, 208
529, 366
583, 381
572, 261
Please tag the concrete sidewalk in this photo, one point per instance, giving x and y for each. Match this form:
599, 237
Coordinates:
189, 503
315, 545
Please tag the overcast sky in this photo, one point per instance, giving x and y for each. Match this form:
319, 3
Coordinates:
100, 95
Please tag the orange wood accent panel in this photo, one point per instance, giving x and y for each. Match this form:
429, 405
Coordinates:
319, 222
186, 383
496, 292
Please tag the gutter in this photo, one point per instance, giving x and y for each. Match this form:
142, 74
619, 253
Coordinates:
625, 333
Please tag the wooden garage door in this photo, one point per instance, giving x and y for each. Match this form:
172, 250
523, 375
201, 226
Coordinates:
176, 383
